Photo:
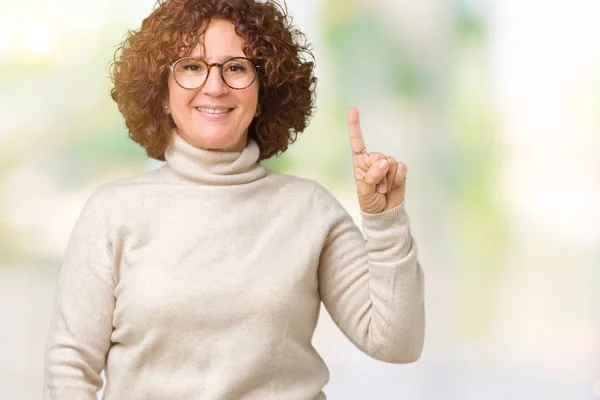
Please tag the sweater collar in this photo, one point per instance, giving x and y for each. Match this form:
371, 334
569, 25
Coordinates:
186, 163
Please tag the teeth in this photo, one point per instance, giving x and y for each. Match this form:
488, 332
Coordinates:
214, 110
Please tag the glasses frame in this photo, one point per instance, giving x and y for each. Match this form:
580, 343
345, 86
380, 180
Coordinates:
209, 66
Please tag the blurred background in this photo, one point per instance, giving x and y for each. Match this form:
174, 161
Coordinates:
493, 105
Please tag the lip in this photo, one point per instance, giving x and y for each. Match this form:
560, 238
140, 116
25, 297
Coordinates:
213, 117
211, 106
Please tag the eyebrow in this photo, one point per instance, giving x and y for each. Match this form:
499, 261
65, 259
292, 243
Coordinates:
223, 58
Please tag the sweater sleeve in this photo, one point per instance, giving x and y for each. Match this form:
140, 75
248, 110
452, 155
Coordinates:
373, 287
81, 323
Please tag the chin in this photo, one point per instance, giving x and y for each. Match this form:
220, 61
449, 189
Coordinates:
215, 141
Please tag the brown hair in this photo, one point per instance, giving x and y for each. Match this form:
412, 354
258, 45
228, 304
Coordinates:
287, 84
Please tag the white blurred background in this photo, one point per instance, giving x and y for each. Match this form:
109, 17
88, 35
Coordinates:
494, 106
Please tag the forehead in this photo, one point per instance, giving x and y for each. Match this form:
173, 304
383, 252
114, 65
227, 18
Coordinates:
218, 42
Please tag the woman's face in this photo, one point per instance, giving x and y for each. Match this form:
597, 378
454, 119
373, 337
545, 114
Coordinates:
221, 132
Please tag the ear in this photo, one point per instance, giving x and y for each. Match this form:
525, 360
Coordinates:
166, 109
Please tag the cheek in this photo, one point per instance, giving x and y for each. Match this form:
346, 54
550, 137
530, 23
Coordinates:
251, 101
179, 97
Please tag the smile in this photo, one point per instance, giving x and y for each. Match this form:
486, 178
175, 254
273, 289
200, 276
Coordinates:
214, 110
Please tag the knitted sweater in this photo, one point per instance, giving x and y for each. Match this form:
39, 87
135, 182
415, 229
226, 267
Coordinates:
203, 279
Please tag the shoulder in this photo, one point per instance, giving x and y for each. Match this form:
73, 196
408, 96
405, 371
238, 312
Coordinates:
127, 186
290, 186
144, 178
110, 195
304, 186
289, 181
322, 200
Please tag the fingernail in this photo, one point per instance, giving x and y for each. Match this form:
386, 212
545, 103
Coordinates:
381, 188
383, 164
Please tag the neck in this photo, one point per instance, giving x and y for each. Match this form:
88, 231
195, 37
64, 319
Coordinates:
186, 163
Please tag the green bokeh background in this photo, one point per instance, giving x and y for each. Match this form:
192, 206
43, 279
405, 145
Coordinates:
493, 109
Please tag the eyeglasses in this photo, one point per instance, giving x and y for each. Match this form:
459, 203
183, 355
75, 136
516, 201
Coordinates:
191, 73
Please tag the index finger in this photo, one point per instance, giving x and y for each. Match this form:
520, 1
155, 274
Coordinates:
357, 142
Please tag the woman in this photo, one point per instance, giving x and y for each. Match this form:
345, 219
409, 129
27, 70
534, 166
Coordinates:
203, 279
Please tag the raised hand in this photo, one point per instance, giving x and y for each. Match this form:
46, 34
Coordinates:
380, 180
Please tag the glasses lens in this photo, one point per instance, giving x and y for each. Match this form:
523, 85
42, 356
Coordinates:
190, 72
239, 72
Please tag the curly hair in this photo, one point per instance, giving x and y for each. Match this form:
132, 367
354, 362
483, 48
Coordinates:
286, 77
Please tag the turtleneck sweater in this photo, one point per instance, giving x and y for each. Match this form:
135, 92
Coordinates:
203, 279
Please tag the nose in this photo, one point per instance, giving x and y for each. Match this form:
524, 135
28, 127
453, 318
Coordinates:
214, 84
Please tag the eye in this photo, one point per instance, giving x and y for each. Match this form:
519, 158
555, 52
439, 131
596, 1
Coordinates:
236, 68
191, 67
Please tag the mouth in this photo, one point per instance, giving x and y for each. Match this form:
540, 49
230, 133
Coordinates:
214, 111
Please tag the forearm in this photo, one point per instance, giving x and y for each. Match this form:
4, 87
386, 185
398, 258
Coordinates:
396, 287
372, 288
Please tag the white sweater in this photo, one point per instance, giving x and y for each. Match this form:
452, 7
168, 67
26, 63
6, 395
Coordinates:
203, 280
